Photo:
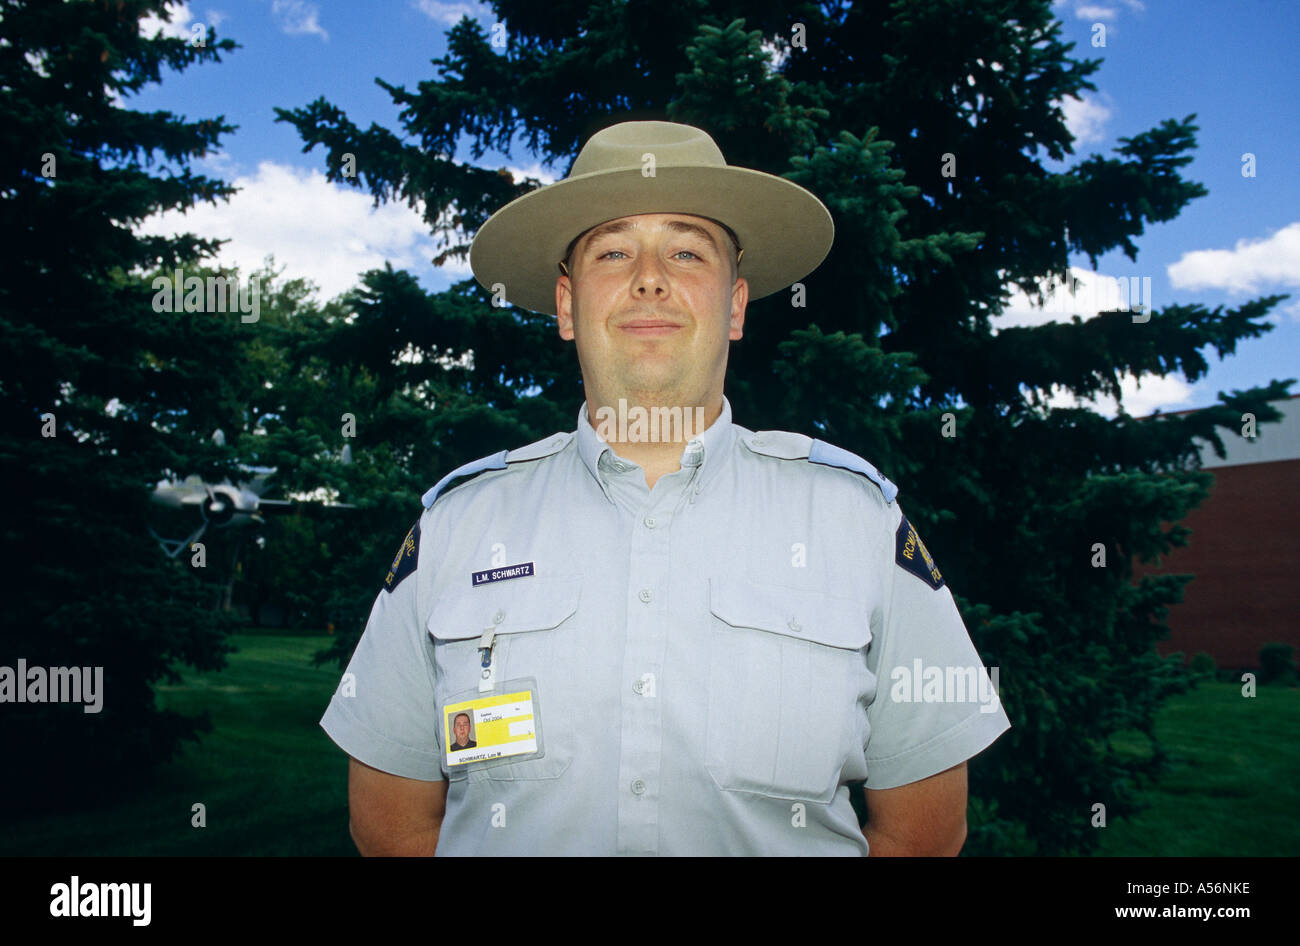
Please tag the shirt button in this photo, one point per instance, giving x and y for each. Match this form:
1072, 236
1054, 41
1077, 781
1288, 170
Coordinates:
794, 626
645, 595
498, 617
638, 787
649, 522
638, 685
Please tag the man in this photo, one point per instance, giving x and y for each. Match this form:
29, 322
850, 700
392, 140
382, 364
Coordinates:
679, 636
461, 728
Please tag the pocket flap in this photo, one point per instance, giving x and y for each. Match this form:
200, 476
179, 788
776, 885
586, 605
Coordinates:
805, 615
511, 607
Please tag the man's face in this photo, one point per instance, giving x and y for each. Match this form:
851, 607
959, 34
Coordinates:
462, 730
651, 304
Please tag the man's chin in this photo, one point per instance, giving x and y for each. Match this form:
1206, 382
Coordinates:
653, 378
660, 395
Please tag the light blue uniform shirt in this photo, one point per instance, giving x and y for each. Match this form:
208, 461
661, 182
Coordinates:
714, 658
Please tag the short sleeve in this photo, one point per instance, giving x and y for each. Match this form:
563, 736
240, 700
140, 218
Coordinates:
383, 713
936, 705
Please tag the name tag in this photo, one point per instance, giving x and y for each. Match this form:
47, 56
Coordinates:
522, 570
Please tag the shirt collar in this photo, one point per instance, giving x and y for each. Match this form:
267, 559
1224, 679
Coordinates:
705, 449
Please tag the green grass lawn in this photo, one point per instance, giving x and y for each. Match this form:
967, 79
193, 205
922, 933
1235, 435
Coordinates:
1232, 789
273, 783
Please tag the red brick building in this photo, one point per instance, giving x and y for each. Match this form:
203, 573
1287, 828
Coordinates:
1244, 550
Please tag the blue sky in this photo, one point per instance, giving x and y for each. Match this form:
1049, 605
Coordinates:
1230, 63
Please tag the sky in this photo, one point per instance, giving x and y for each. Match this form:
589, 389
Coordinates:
1231, 62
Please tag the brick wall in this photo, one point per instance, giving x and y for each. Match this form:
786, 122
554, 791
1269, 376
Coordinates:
1245, 552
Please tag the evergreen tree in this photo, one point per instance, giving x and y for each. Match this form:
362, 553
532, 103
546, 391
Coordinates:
101, 394
921, 126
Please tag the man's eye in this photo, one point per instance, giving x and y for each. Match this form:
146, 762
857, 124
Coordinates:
611, 253
687, 252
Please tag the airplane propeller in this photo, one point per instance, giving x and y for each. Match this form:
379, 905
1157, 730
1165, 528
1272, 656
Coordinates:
221, 505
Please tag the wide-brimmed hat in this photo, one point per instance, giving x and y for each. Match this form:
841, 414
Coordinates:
652, 167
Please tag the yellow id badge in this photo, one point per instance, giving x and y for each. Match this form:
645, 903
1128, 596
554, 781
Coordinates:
504, 725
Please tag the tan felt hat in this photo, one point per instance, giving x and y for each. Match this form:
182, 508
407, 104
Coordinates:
651, 167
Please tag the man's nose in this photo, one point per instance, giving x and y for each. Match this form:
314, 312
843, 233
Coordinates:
650, 278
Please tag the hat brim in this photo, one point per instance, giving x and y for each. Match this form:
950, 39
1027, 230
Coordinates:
784, 230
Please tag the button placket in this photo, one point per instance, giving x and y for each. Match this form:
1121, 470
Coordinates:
640, 759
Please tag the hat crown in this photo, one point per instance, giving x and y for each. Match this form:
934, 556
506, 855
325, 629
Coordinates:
624, 146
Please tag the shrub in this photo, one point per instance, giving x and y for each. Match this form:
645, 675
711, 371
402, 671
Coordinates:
1276, 665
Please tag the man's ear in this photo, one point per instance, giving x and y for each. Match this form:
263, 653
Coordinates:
564, 307
739, 299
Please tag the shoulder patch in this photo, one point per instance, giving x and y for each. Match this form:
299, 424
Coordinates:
831, 455
910, 553
405, 560
495, 462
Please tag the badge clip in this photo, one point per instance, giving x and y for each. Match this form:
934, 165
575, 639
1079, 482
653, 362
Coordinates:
487, 659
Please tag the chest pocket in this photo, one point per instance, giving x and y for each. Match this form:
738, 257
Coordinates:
532, 619
785, 678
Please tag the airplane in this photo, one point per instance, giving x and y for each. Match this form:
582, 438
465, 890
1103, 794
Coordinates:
223, 505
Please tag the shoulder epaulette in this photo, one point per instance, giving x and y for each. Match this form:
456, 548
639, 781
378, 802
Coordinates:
828, 454
778, 443
789, 446
497, 461
540, 448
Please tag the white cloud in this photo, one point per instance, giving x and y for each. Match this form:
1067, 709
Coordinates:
1093, 12
217, 164
181, 25
1091, 293
323, 232
1089, 10
451, 13
298, 18
1140, 398
177, 28
1085, 118
1273, 261
536, 170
